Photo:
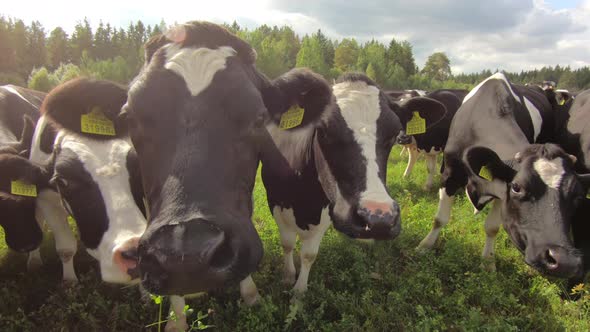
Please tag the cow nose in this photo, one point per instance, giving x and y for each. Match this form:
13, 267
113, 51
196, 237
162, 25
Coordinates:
383, 219
560, 261
126, 257
404, 139
186, 257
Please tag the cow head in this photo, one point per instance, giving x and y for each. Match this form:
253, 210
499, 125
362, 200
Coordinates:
95, 175
197, 114
431, 110
350, 149
21, 230
539, 191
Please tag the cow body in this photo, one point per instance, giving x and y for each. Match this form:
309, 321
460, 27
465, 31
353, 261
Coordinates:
576, 140
495, 127
335, 173
19, 110
93, 179
432, 142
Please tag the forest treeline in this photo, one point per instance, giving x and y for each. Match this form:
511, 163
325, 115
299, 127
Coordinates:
31, 56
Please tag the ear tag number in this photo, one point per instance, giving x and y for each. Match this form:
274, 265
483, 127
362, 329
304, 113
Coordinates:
292, 118
97, 123
21, 188
417, 125
485, 173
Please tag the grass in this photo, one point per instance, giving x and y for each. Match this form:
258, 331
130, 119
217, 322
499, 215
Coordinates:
387, 286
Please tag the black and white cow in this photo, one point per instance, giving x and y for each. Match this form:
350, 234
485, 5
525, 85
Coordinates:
19, 110
534, 186
576, 140
197, 114
401, 95
432, 142
92, 177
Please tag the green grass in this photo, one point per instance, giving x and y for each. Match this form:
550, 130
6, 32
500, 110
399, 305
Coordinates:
387, 286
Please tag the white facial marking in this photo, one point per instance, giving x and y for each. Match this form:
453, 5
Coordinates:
550, 171
360, 108
105, 161
37, 155
496, 76
197, 66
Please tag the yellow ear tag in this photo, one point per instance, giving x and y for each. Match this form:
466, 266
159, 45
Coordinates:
485, 173
71, 219
97, 123
416, 125
292, 118
21, 188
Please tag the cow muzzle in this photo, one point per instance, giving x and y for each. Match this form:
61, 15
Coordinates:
380, 220
556, 261
188, 257
404, 139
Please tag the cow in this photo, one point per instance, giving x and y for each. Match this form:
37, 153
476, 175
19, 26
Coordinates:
576, 140
198, 161
18, 114
498, 150
336, 172
432, 142
401, 95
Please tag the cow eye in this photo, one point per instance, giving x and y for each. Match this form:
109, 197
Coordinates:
515, 188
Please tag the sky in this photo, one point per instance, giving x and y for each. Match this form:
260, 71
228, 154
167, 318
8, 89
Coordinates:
508, 35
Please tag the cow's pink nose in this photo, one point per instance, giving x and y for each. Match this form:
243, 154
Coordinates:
125, 257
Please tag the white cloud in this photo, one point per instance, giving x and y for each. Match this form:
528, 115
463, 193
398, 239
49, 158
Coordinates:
477, 35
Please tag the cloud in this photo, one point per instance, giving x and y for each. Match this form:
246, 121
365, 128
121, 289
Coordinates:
476, 35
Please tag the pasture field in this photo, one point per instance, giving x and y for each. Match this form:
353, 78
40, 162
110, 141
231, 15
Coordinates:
354, 286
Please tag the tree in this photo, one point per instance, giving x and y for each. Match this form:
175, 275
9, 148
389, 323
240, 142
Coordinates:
373, 53
311, 55
7, 51
346, 54
81, 40
371, 72
438, 67
567, 80
57, 48
19, 42
40, 80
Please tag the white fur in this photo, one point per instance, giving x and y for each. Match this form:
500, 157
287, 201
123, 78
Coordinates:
492, 226
310, 245
197, 66
359, 106
550, 171
177, 306
496, 76
13, 91
105, 161
443, 215
248, 291
535, 117
293, 144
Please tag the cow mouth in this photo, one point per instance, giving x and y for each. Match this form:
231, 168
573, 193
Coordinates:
358, 228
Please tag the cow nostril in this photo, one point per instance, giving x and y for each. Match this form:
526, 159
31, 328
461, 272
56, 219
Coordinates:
550, 260
130, 254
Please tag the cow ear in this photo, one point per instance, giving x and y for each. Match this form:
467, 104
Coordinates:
16, 168
431, 110
298, 98
89, 107
487, 174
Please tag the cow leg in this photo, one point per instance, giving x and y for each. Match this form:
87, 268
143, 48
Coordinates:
288, 239
177, 304
443, 215
404, 149
310, 245
431, 166
412, 157
48, 207
491, 226
249, 291
34, 261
